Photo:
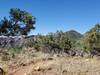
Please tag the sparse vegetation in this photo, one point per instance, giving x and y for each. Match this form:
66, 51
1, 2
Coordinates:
61, 53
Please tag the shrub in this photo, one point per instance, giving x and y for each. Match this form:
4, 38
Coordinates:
91, 39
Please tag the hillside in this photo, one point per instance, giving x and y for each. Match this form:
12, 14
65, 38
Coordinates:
73, 35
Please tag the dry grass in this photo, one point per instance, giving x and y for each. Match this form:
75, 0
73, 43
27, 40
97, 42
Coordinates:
69, 66
44, 64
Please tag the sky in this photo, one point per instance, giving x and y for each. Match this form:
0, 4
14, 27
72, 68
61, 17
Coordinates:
53, 15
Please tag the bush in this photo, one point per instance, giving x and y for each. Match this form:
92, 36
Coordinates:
53, 43
91, 39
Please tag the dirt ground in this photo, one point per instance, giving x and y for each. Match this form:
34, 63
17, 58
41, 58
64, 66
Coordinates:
60, 66
51, 65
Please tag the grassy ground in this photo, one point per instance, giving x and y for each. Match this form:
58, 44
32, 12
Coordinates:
44, 64
68, 66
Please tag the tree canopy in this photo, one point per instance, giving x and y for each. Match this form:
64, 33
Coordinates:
91, 39
19, 23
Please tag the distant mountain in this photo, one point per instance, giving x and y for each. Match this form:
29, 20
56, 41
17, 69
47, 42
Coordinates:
73, 35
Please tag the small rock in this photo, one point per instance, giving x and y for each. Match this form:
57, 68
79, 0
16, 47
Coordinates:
50, 59
64, 71
49, 68
38, 69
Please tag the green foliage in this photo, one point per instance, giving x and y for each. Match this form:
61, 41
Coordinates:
19, 23
91, 39
65, 43
53, 42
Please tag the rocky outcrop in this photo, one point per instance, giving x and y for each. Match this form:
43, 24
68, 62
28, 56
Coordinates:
11, 41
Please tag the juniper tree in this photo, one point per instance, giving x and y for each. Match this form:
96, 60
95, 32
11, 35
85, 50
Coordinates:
91, 39
19, 23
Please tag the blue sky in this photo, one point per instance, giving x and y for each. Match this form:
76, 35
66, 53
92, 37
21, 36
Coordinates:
53, 15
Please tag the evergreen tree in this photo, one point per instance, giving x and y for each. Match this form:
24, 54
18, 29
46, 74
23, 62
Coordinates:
91, 39
19, 23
